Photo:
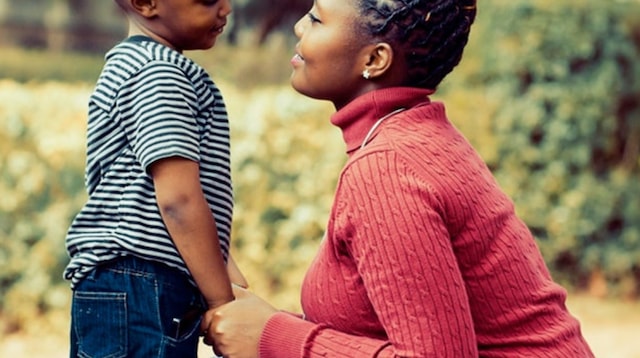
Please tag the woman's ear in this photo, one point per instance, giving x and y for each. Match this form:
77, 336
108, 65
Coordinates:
380, 59
144, 8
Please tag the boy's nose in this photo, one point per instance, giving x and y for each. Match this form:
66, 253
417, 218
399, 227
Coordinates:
225, 8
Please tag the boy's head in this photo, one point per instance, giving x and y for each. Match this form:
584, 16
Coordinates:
179, 24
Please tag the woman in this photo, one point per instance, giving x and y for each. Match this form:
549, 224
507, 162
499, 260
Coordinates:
424, 255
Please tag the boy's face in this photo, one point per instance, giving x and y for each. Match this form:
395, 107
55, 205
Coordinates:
190, 24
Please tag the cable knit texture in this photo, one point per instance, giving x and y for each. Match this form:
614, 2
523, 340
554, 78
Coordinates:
424, 255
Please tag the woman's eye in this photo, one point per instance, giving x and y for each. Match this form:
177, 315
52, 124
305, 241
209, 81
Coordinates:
313, 18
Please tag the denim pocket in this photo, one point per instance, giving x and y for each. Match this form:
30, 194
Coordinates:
180, 311
101, 324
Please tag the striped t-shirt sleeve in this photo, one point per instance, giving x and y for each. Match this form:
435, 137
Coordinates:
158, 108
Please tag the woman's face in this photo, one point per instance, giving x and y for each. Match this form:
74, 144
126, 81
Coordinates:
329, 58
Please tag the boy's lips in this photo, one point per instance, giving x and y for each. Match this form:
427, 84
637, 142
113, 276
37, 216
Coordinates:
219, 28
297, 59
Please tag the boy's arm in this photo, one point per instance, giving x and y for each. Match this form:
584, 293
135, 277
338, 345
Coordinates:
191, 225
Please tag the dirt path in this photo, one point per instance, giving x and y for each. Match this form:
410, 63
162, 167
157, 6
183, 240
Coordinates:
612, 328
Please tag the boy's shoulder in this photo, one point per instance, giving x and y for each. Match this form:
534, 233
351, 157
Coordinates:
140, 61
137, 52
140, 55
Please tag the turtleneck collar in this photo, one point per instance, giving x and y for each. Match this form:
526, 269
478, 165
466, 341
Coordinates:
358, 116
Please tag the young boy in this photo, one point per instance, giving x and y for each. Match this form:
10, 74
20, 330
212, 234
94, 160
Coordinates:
148, 249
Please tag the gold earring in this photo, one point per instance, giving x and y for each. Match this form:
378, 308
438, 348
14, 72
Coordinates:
366, 74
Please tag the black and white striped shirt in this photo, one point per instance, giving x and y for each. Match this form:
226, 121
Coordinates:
150, 103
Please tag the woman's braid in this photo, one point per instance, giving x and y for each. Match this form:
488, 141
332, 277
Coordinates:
430, 33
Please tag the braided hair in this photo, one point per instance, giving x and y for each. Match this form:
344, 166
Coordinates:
430, 34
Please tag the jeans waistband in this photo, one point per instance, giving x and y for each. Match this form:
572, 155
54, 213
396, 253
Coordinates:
138, 266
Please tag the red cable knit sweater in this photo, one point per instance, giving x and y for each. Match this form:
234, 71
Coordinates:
424, 255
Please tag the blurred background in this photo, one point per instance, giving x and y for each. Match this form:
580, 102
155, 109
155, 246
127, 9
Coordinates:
548, 92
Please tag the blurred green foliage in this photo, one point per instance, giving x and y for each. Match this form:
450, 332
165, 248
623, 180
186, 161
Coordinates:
548, 92
556, 85
29, 65
41, 139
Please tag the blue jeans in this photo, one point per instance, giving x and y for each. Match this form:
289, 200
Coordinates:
135, 308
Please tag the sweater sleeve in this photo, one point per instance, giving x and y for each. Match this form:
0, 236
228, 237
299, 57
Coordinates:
396, 237
289, 336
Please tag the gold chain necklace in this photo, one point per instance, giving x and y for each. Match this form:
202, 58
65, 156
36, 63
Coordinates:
376, 124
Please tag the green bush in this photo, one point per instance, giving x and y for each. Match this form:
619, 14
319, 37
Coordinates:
558, 83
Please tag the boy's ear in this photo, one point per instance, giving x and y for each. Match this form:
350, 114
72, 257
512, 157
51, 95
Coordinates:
380, 59
145, 8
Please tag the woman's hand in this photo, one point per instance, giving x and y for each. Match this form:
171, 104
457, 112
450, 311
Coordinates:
234, 329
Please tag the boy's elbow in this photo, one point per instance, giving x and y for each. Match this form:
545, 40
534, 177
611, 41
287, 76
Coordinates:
175, 206
177, 186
